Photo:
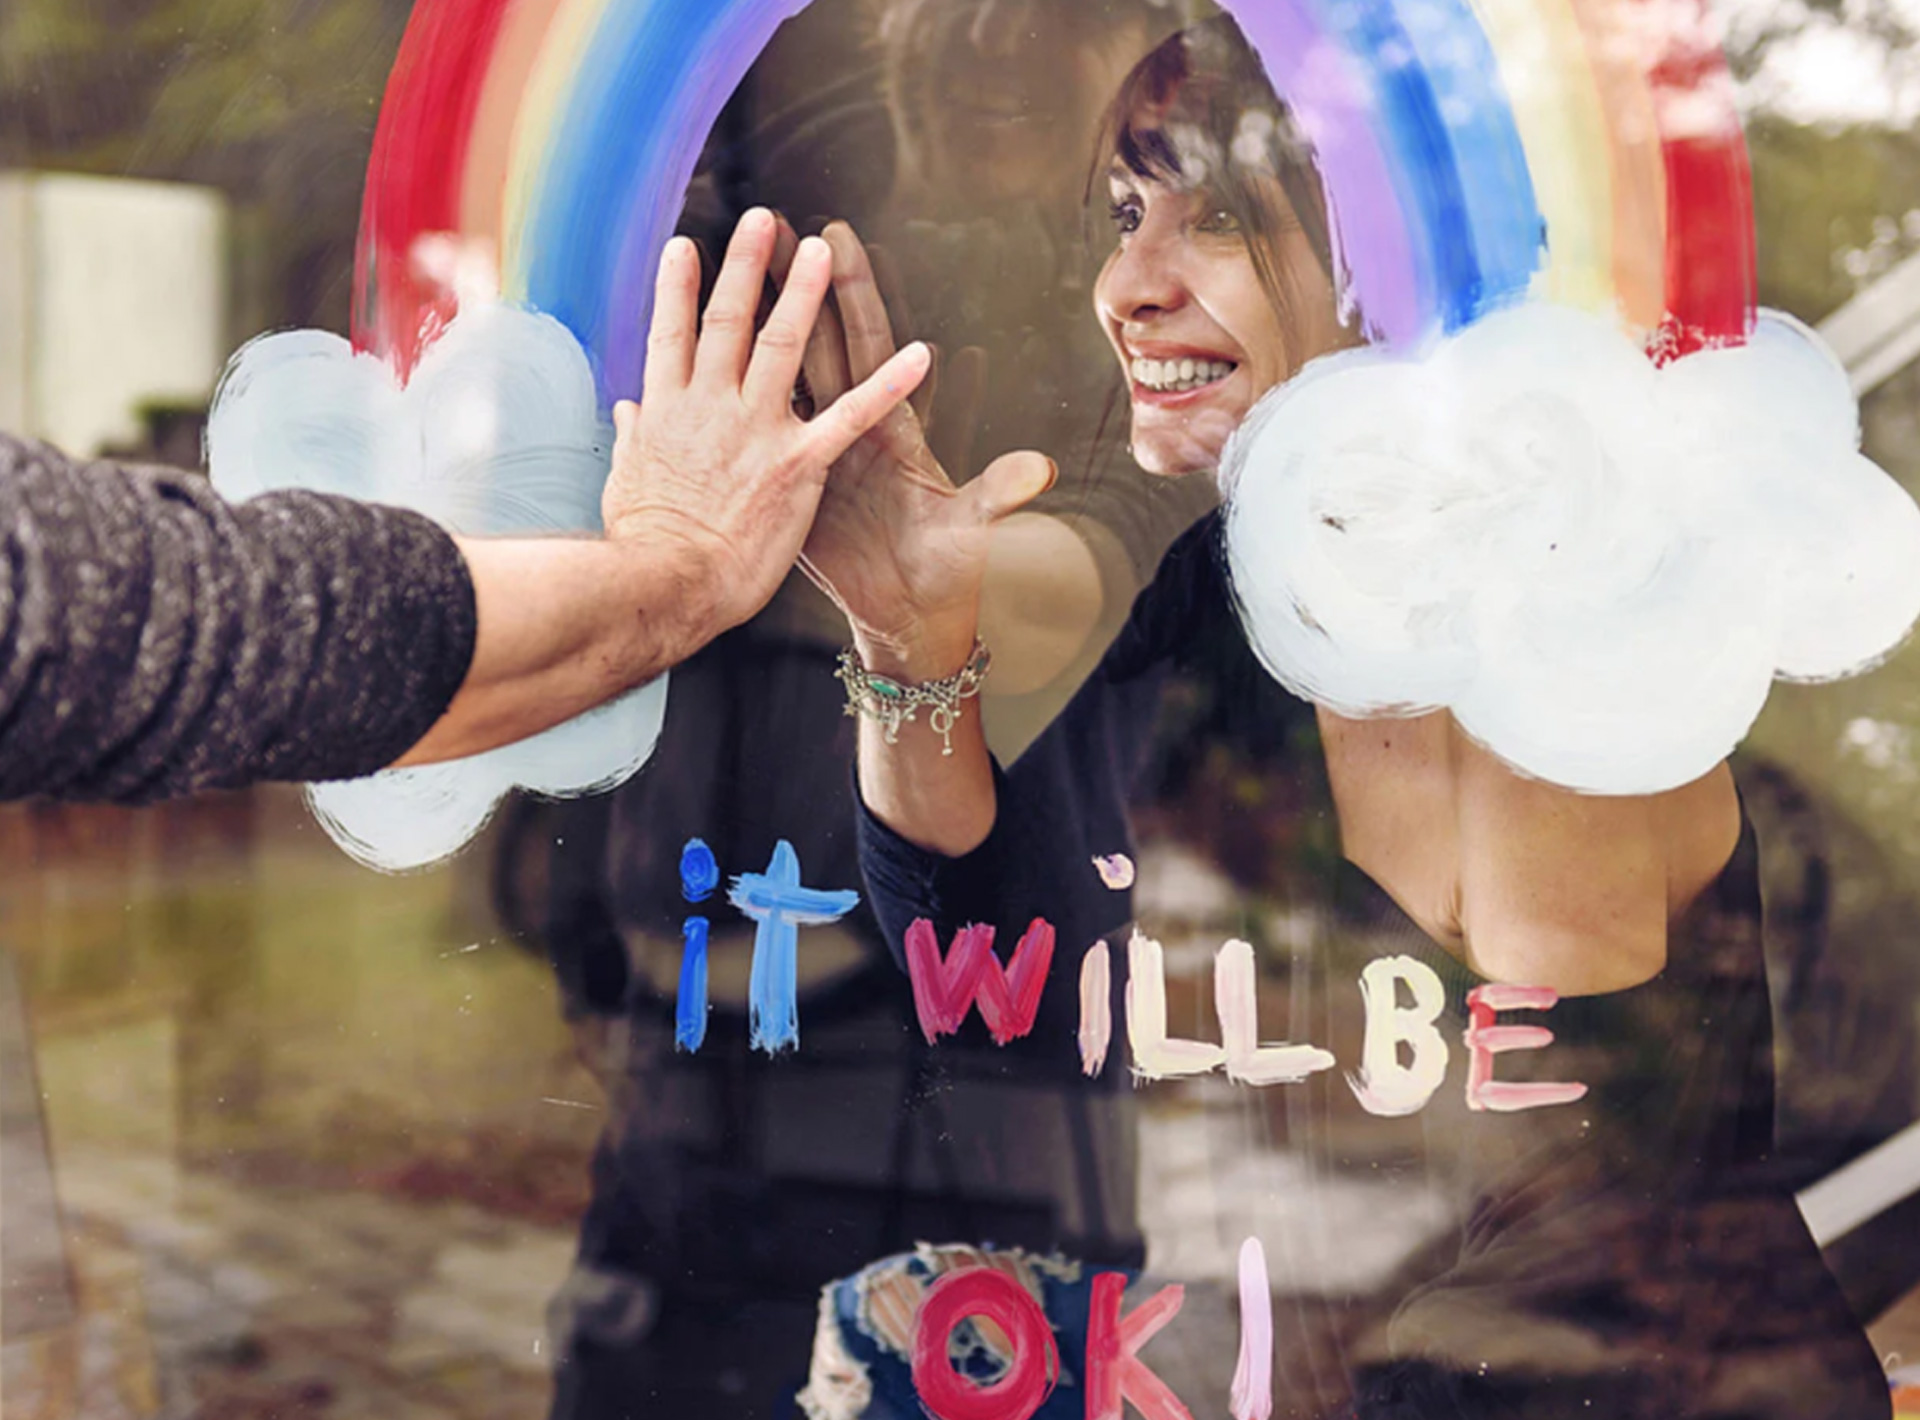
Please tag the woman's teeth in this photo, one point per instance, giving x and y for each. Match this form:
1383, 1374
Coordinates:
1172, 376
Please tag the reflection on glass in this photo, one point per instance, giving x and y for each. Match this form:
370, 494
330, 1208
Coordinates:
282, 1137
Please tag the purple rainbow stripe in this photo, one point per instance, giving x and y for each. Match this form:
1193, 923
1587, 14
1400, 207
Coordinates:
1333, 102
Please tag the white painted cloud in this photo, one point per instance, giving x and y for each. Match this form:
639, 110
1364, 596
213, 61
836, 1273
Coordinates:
1599, 566
497, 432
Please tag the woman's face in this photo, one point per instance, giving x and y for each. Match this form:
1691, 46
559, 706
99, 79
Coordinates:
1195, 331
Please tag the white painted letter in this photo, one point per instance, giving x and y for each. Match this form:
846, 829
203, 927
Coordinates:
1385, 1086
1154, 1056
1096, 1010
1236, 999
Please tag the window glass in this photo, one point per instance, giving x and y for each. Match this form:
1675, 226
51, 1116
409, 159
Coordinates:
1357, 987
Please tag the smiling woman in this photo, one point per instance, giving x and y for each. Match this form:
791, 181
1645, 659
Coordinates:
1220, 284
1635, 913
296, 1136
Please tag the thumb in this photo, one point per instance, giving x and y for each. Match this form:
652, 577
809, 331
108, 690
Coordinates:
1009, 483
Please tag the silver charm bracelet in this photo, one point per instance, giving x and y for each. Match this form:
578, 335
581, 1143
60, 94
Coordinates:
893, 703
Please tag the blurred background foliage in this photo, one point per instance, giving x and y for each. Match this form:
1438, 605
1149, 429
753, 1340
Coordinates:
272, 101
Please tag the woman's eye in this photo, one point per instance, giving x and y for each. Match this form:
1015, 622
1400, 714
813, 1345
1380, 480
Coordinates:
1125, 214
1219, 222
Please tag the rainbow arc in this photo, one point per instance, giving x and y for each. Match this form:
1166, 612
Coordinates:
1475, 154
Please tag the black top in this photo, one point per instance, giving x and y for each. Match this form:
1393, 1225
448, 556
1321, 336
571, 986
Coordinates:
156, 640
1631, 1254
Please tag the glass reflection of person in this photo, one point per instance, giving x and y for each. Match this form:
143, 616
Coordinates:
718, 1208
1641, 911
954, 135
994, 106
156, 641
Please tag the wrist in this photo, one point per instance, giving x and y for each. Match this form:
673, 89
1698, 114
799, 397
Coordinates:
677, 599
891, 704
926, 652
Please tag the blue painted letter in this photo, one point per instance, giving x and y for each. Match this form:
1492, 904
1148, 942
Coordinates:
699, 876
776, 901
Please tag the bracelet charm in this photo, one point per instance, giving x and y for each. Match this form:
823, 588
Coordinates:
893, 703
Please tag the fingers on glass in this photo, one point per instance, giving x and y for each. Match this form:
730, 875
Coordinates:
955, 417
867, 403
779, 352
863, 311
676, 316
726, 331
785, 243
825, 366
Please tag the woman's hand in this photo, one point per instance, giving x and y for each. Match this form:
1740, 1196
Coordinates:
713, 471
898, 546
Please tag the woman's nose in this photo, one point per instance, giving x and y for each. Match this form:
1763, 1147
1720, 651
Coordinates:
1142, 278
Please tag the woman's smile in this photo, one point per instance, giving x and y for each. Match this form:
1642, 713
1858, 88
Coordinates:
1193, 330
1166, 377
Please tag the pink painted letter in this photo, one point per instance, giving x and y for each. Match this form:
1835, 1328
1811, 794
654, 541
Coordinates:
1115, 1373
990, 1293
1252, 1395
1486, 1040
970, 974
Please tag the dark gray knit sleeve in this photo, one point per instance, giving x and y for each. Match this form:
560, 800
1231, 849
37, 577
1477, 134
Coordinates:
156, 640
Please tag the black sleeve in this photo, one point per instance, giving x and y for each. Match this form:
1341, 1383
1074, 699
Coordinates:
155, 640
1064, 800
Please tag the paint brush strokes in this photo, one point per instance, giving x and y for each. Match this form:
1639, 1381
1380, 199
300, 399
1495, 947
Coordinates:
1385, 1084
699, 876
1599, 566
1472, 154
1236, 997
990, 1295
1116, 1376
690, 1002
1116, 871
969, 975
1252, 1395
780, 905
498, 432
1096, 1014
1155, 1056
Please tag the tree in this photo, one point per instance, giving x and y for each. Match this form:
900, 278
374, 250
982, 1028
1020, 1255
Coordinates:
271, 101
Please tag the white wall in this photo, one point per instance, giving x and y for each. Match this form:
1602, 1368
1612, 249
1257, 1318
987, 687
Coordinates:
1877, 333
113, 294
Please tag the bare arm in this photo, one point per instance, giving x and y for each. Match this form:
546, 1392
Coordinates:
938, 801
1527, 882
904, 553
564, 624
715, 482
1041, 601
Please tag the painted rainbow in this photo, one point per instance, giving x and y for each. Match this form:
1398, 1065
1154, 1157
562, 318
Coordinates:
1474, 153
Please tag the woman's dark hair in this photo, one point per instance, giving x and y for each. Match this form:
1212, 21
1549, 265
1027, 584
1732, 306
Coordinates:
1199, 112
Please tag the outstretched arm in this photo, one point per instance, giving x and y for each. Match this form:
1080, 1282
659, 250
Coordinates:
156, 640
904, 553
715, 483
